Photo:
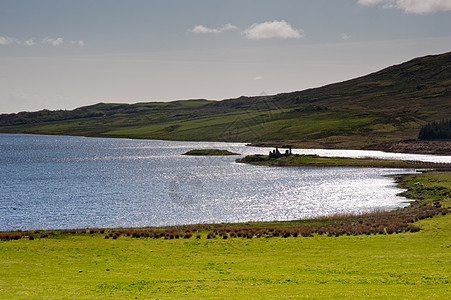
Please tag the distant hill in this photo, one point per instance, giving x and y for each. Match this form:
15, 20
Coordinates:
384, 107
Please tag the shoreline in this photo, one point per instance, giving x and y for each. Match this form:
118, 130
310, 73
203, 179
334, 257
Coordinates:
309, 160
425, 203
432, 147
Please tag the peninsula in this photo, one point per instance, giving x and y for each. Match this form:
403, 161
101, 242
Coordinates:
297, 160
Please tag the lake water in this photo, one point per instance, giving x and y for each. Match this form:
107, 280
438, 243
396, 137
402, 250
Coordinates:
55, 182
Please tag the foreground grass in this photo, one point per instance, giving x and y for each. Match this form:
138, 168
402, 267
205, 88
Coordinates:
398, 266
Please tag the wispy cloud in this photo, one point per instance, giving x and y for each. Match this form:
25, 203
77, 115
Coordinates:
345, 36
257, 31
369, 2
79, 43
411, 6
31, 42
54, 42
272, 30
203, 29
6, 40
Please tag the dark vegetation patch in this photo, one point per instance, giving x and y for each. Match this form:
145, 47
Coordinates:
396, 221
207, 152
436, 130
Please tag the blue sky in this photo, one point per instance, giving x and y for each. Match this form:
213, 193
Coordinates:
66, 54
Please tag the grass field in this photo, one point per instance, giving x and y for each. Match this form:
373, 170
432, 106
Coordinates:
397, 266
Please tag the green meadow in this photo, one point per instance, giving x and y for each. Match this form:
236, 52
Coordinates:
412, 265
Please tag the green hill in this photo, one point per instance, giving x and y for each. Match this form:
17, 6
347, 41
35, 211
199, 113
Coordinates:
383, 107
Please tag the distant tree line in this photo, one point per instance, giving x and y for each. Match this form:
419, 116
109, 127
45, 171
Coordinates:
45, 115
436, 130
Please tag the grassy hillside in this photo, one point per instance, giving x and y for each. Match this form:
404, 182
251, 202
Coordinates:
387, 106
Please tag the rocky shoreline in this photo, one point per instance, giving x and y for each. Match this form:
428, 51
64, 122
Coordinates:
438, 147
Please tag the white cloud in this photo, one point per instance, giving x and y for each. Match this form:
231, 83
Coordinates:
54, 42
79, 43
411, 6
5, 40
369, 2
258, 78
270, 30
30, 42
345, 36
228, 27
423, 6
203, 29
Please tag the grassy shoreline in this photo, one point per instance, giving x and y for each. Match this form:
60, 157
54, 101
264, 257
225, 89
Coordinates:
296, 160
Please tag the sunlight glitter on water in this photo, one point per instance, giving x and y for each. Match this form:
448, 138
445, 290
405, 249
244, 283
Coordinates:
73, 182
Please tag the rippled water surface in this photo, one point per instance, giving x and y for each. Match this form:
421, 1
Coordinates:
51, 182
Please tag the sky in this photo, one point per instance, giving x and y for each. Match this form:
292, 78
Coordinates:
58, 54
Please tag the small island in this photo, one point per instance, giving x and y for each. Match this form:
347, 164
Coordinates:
209, 152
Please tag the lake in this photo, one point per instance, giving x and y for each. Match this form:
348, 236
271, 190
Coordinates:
57, 182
